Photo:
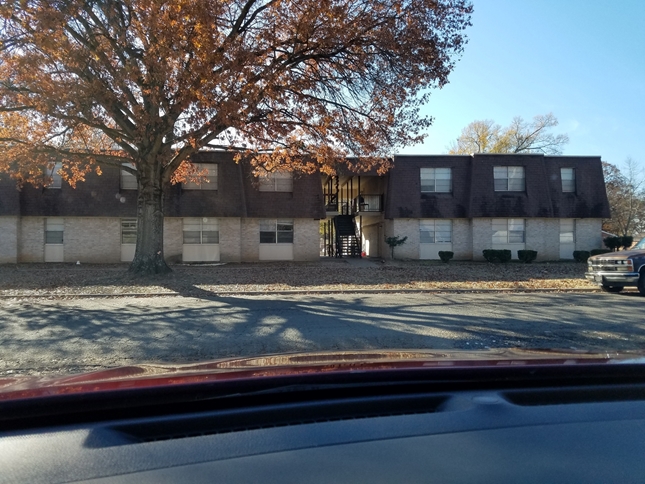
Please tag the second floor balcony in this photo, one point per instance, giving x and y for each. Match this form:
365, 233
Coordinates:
364, 203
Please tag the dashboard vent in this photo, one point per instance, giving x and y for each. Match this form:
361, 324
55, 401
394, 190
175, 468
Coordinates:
239, 420
564, 396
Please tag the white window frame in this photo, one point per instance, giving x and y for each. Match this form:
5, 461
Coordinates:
268, 226
509, 178
509, 231
206, 227
277, 181
568, 179
436, 180
128, 228
435, 231
128, 180
208, 182
57, 179
54, 226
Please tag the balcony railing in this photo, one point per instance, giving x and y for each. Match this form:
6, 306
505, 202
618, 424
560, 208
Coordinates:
367, 203
363, 203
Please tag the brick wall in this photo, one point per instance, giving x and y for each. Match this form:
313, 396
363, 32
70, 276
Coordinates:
250, 233
306, 239
31, 239
462, 239
8, 240
402, 228
588, 234
388, 230
482, 230
92, 239
173, 239
543, 235
230, 248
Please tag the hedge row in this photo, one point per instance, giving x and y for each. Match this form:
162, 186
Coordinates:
492, 255
615, 243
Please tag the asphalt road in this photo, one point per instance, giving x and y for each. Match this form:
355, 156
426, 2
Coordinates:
69, 336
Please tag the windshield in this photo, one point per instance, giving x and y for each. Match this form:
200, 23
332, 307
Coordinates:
342, 177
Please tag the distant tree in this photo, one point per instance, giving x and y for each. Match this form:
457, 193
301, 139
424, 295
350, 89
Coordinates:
292, 84
626, 194
519, 137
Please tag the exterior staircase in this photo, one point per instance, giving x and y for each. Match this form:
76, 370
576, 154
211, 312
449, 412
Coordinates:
347, 243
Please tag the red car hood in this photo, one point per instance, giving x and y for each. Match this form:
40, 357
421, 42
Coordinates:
151, 375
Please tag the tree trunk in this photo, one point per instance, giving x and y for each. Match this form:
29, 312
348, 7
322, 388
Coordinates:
148, 256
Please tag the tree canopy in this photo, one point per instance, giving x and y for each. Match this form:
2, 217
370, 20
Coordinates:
520, 136
626, 194
292, 84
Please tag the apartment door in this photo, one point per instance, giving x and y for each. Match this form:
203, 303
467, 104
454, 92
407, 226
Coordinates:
567, 238
54, 228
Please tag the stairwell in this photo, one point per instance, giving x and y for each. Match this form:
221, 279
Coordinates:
347, 243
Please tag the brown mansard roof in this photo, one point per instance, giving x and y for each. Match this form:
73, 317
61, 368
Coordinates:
473, 193
236, 196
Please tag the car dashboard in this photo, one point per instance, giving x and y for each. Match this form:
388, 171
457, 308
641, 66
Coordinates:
530, 424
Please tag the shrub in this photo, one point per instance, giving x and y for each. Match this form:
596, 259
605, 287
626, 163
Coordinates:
626, 241
581, 255
395, 242
446, 255
612, 243
492, 255
599, 251
526, 256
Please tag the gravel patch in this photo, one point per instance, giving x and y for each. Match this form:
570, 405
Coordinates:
60, 280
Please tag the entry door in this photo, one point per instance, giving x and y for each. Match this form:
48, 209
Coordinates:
54, 239
567, 238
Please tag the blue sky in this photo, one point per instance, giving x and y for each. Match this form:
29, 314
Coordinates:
584, 61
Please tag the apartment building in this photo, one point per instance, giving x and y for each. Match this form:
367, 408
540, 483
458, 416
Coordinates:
460, 203
469, 203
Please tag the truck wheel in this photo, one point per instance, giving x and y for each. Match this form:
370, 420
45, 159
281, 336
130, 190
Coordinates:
641, 284
613, 288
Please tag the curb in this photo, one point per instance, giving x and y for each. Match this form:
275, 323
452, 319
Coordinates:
308, 292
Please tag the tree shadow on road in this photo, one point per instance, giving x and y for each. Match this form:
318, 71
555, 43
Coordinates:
203, 326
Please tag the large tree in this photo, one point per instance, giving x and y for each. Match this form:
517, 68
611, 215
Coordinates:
626, 194
293, 84
520, 136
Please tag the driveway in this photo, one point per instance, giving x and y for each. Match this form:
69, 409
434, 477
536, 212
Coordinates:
61, 336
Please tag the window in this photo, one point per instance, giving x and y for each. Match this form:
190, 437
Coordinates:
509, 178
568, 176
567, 229
54, 231
57, 180
276, 182
508, 231
129, 231
128, 180
436, 180
435, 231
201, 231
209, 179
276, 231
